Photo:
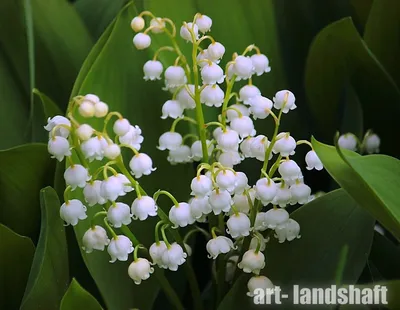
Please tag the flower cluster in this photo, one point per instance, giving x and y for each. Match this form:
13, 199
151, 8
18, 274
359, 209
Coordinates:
241, 216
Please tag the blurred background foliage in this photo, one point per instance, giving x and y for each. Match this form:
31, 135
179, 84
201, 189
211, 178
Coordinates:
339, 57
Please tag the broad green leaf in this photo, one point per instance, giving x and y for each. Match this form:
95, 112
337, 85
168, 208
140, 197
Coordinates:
98, 14
77, 297
327, 225
393, 291
24, 170
352, 120
49, 107
371, 180
338, 57
385, 255
16, 254
49, 277
115, 63
382, 35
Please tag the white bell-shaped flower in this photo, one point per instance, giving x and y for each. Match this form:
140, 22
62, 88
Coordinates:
185, 98
58, 120
84, 132
121, 127
259, 223
231, 112
157, 24
220, 201
260, 64
290, 171
173, 257
180, 155
133, 137
127, 185
372, 143
238, 225
93, 148
226, 179
143, 207
241, 201
95, 238
112, 151
252, 262
112, 188
152, 70
180, 215
141, 41
119, 214
156, 251
254, 243
228, 140
172, 109
137, 23
169, 141
174, 77
300, 193
285, 144
266, 190
186, 31
72, 211
76, 176
211, 73
275, 217
199, 206
247, 92
197, 150
202, 55
284, 100
229, 158
215, 51
140, 270
219, 245
241, 182
313, 161
86, 109
259, 282
218, 131
204, 23
244, 126
141, 164
245, 147
100, 109
260, 107
212, 96
258, 147
59, 147
92, 195
289, 231
243, 67
348, 141
119, 248
201, 186
283, 195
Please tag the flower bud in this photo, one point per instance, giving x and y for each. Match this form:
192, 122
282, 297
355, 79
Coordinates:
92, 98
252, 262
84, 132
86, 109
180, 215
219, 245
143, 207
76, 176
137, 23
259, 282
204, 23
72, 211
112, 151
121, 126
372, 143
152, 70
284, 100
141, 164
59, 147
141, 41
215, 51
348, 141
95, 238
140, 270
100, 109
119, 248
157, 24
238, 225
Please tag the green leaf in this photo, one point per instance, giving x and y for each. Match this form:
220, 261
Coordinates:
49, 107
49, 277
98, 14
327, 225
77, 297
362, 10
24, 170
114, 62
382, 35
339, 57
16, 254
371, 180
393, 291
